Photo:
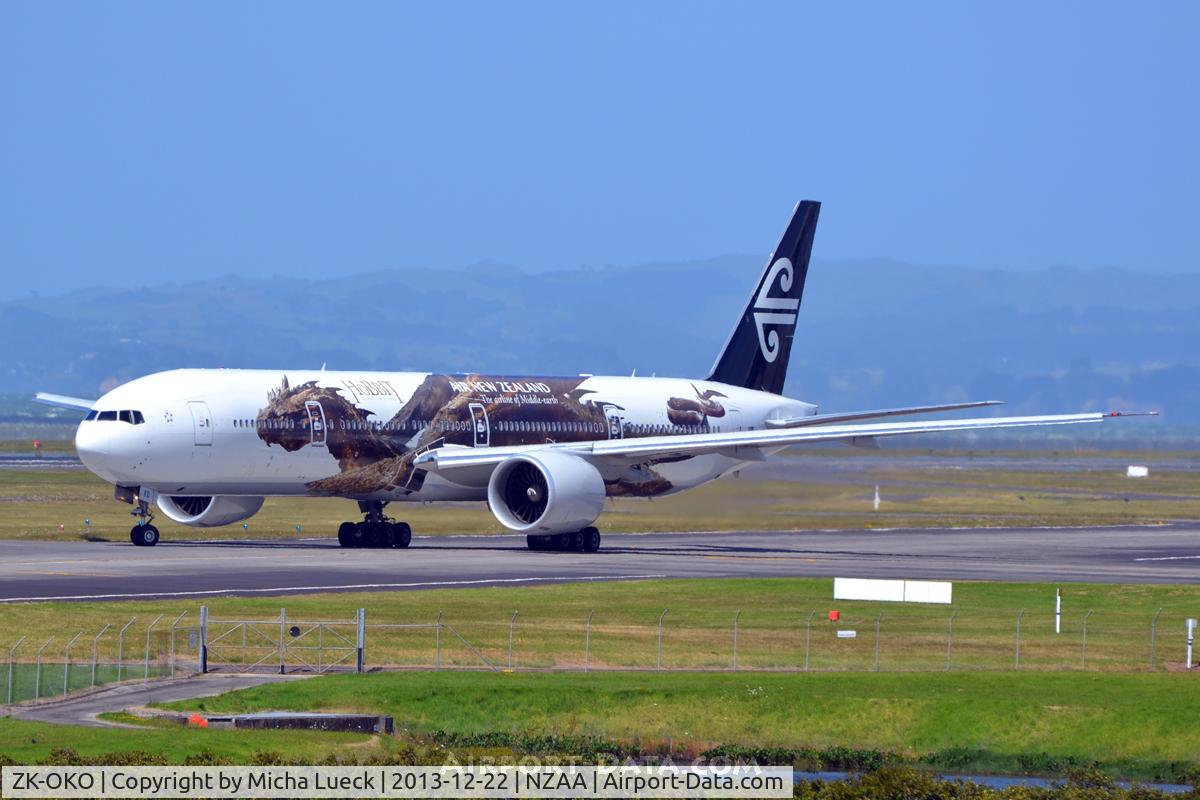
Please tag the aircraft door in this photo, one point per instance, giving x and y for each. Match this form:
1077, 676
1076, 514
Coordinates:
615, 429
479, 421
316, 422
201, 422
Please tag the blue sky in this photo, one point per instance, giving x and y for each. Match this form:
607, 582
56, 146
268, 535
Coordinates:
151, 142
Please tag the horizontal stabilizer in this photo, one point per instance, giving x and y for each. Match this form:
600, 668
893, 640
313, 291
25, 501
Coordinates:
63, 401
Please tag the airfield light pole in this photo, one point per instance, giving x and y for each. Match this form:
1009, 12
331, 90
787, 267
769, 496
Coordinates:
203, 643
12, 652
37, 674
1153, 630
1083, 648
736, 617
282, 638
1058, 611
587, 640
95, 650
808, 636
150, 627
362, 641
512, 622
67, 662
1017, 657
658, 664
950, 640
121, 647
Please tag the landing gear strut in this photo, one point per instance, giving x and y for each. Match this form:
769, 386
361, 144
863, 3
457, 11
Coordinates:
584, 541
375, 530
143, 534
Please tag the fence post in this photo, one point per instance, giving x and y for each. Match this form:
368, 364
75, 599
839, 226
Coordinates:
175, 625
95, 646
878, 622
1017, 657
149, 628
11, 654
658, 663
437, 664
1153, 628
736, 617
37, 675
362, 641
512, 621
67, 662
282, 638
203, 640
950, 640
587, 640
808, 636
121, 647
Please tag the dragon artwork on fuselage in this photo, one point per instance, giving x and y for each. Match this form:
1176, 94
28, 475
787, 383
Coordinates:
376, 455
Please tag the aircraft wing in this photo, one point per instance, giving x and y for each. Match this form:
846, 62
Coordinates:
850, 416
747, 445
62, 401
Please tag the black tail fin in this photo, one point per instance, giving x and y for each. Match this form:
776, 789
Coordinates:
756, 355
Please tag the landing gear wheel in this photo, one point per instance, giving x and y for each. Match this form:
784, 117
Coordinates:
574, 541
401, 534
346, 537
591, 540
144, 535
536, 542
373, 533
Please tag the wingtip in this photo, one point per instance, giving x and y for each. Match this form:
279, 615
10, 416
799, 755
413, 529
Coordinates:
1131, 414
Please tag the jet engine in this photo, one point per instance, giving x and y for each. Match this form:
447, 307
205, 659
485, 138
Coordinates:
545, 492
208, 512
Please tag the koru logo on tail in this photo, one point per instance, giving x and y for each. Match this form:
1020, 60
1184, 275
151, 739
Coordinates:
774, 311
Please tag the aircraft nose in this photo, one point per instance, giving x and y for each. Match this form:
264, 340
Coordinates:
93, 446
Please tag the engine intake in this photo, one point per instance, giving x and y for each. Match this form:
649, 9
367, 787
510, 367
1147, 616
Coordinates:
546, 492
208, 512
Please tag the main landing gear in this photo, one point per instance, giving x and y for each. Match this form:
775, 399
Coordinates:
143, 534
584, 541
375, 530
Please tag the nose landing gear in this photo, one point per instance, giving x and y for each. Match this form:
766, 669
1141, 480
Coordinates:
375, 530
143, 534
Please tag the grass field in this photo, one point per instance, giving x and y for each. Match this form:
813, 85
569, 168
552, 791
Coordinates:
34, 504
697, 631
1139, 726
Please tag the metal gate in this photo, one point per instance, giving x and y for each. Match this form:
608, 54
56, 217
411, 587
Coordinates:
281, 645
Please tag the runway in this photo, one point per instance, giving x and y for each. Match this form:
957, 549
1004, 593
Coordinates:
78, 570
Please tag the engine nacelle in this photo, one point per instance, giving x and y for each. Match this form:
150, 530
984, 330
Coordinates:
546, 492
208, 512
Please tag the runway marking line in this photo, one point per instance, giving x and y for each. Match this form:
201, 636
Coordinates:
1169, 558
205, 592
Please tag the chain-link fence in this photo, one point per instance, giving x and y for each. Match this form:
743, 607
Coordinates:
869, 637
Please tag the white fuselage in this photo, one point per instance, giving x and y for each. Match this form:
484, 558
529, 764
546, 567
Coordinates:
289, 432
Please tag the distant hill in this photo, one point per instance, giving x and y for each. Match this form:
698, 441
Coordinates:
871, 333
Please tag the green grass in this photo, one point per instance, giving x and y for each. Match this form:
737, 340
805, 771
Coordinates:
28, 742
697, 629
35, 504
1133, 724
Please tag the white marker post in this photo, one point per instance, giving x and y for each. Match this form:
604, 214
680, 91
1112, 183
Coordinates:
1191, 629
1058, 611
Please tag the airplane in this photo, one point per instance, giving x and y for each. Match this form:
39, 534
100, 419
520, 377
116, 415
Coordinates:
206, 446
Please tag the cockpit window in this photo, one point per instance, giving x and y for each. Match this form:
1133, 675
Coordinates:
91, 415
124, 415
